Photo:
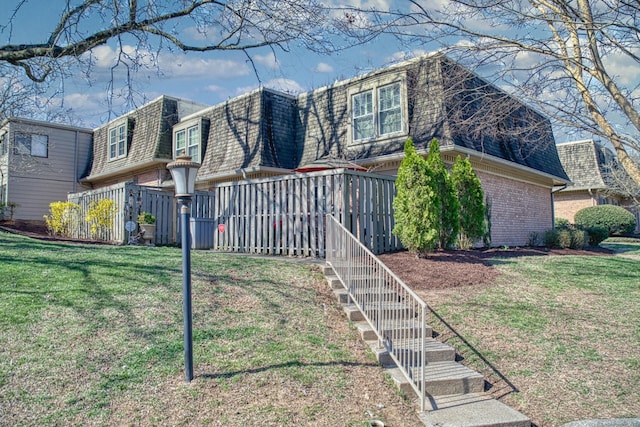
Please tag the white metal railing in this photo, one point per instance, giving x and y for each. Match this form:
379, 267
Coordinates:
395, 312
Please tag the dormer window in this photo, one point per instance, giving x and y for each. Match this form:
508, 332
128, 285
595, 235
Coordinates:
187, 140
377, 112
118, 141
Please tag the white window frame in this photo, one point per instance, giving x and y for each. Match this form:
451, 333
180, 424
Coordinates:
362, 107
32, 144
191, 135
117, 136
375, 88
396, 106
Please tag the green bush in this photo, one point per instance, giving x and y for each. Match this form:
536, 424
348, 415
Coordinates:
471, 202
597, 235
579, 239
416, 205
561, 223
534, 239
551, 239
564, 238
443, 186
615, 219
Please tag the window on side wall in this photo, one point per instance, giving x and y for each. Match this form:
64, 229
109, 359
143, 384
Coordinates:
31, 145
118, 141
377, 112
187, 141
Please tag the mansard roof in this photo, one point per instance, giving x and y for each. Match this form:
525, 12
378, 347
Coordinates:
587, 164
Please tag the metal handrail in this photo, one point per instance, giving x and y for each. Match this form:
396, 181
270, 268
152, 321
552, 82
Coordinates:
395, 312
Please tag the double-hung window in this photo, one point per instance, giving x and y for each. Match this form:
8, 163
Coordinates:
32, 144
118, 141
389, 109
363, 127
377, 112
187, 141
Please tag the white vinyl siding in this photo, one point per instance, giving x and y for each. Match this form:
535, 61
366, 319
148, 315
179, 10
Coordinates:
118, 141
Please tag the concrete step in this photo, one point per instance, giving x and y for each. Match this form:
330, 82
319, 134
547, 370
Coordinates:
390, 310
353, 312
441, 379
342, 296
434, 351
404, 328
385, 295
334, 282
446, 378
471, 410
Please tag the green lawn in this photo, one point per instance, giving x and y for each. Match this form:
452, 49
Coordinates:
92, 335
563, 330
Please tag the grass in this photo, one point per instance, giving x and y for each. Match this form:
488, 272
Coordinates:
92, 335
563, 330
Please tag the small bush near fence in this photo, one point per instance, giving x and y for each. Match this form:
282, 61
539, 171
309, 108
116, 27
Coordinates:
62, 218
100, 217
65, 216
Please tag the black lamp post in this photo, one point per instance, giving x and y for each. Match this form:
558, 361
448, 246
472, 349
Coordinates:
184, 172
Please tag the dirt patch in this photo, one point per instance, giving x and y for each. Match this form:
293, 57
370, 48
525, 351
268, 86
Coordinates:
452, 269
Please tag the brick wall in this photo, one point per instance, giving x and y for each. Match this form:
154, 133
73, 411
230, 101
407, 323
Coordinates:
518, 208
567, 204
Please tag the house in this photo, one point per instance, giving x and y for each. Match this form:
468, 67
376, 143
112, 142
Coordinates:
137, 146
40, 163
588, 165
364, 120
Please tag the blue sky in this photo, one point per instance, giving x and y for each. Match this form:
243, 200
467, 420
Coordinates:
214, 77
208, 78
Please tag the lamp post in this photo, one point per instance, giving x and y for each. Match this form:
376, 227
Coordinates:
184, 172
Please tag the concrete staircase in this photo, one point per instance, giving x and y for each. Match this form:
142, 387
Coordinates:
455, 394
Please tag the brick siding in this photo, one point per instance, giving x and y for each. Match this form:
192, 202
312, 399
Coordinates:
518, 208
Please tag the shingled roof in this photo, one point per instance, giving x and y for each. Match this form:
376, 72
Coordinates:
149, 141
586, 162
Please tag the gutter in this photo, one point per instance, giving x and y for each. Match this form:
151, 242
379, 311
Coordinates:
126, 169
476, 154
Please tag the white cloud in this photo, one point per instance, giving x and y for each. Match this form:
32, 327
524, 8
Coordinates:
404, 55
269, 60
170, 65
285, 85
280, 84
323, 67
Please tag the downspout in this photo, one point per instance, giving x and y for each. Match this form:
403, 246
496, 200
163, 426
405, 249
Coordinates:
553, 204
75, 164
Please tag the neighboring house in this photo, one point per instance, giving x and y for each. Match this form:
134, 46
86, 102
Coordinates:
365, 120
40, 163
137, 146
587, 163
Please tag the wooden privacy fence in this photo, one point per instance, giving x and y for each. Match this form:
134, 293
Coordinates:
286, 215
278, 216
130, 199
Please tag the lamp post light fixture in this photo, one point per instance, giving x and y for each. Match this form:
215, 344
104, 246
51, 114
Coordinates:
183, 172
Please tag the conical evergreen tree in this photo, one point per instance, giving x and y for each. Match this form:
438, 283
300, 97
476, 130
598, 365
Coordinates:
471, 198
448, 213
416, 207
